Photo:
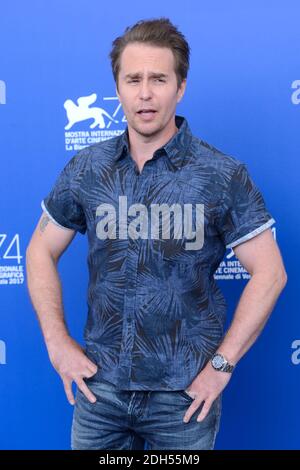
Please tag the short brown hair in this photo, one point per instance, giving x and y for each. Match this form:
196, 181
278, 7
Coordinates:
157, 32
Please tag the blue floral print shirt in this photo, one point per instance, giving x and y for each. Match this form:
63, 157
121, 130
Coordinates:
155, 312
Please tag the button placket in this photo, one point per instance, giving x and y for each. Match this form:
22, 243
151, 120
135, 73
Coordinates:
133, 253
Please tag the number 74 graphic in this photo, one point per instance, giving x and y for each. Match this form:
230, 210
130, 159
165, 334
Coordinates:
13, 249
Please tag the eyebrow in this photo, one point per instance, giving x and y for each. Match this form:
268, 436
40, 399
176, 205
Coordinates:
151, 74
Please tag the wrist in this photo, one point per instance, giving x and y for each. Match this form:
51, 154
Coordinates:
59, 337
220, 362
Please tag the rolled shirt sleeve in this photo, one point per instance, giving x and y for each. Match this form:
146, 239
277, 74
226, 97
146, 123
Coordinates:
243, 213
62, 204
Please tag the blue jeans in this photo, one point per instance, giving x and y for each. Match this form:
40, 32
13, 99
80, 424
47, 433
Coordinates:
130, 419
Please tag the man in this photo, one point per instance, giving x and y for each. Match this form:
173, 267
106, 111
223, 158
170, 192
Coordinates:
156, 358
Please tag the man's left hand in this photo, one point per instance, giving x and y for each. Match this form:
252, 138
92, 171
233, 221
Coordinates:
206, 387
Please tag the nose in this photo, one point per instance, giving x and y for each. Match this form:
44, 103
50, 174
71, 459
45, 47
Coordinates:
145, 90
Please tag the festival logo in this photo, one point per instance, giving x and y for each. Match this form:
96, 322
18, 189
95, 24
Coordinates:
11, 267
88, 123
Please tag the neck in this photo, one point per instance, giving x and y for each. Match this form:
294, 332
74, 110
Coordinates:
142, 148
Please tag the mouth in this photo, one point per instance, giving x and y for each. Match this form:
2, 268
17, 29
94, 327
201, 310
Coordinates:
147, 113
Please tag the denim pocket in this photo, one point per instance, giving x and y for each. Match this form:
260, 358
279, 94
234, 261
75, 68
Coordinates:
186, 395
88, 380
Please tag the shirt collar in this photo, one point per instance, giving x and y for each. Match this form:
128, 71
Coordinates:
175, 148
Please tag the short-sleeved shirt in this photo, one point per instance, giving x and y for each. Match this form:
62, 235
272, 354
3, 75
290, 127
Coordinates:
155, 313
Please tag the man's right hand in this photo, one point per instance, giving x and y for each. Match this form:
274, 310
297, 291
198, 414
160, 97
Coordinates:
69, 360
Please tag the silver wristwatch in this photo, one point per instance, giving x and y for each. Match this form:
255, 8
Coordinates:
219, 362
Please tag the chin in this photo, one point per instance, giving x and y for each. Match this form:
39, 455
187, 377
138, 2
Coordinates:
149, 130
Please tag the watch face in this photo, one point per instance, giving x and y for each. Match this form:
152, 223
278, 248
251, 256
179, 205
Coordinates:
218, 361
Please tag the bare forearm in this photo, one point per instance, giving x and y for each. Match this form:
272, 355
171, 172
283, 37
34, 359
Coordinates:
261, 257
46, 294
46, 246
254, 308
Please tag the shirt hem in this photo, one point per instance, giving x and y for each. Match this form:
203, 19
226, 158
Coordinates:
52, 218
251, 234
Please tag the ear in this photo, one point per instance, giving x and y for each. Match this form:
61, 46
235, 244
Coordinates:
118, 95
181, 90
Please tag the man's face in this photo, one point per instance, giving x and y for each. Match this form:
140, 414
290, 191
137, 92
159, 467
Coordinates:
147, 81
